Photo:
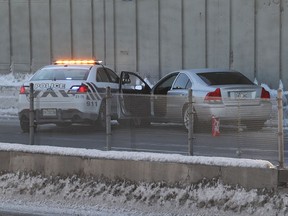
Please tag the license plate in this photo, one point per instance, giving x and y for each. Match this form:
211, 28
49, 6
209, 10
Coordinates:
49, 112
241, 95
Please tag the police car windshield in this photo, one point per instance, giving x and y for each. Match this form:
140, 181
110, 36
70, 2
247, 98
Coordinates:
61, 74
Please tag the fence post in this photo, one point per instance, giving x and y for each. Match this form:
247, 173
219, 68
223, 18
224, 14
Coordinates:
108, 118
280, 129
191, 122
31, 115
239, 130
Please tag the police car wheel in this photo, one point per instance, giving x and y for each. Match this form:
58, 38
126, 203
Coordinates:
101, 121
24, 124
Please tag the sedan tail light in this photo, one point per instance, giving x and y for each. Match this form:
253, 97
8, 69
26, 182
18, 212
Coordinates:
214, 97
265, 94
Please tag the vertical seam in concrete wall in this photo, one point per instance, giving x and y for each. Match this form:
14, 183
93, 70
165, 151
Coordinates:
230, 35
10, 36
182, 35
255, 39
115, 36
137, 31
92, 27
50, 32
71, 30
159, 39
30, 36
206, 33
280, 39
104, 23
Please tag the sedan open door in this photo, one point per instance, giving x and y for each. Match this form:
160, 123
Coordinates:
134, 99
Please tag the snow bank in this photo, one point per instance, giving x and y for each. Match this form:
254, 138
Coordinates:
13, 80
137, 156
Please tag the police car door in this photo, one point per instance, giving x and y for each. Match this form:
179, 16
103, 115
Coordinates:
134, 96
105, 77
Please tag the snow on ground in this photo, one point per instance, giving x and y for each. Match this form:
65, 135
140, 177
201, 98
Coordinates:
46, 195
20, 192
13, 80
9, 112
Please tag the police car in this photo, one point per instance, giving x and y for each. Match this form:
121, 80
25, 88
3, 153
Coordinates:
74, 91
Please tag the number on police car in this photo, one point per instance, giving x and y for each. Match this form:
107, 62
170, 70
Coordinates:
91, 103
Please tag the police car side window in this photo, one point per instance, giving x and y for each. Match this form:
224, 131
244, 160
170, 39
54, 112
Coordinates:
102, 76
113, 77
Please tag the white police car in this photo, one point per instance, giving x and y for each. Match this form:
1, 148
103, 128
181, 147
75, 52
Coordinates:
73, 91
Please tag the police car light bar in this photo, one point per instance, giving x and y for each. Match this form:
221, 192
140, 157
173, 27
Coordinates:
76, 62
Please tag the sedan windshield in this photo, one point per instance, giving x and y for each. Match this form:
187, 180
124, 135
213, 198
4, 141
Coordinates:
61, 74
224, 78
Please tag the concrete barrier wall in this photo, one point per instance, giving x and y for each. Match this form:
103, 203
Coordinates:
153, 37
144, 170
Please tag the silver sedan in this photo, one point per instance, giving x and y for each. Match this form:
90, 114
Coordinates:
220, 93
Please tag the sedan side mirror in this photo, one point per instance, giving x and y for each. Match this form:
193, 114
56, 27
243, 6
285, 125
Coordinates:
126, 79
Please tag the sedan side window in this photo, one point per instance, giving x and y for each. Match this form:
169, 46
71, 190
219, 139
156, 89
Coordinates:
182, 82
165, 85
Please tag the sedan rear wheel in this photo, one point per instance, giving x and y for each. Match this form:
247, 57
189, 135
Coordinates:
186, 120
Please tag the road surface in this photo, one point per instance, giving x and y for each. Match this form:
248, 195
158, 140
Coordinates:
165, 138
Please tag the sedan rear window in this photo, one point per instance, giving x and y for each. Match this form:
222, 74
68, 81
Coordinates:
224, 78
61, 74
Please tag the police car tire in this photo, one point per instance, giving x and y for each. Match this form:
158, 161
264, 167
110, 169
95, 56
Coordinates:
24, 124
101, 121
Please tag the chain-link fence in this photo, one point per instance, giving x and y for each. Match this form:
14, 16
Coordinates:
241, 128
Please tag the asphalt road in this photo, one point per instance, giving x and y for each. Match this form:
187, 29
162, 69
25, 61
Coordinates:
164, 138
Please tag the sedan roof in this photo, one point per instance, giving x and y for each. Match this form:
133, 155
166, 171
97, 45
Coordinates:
205, 70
